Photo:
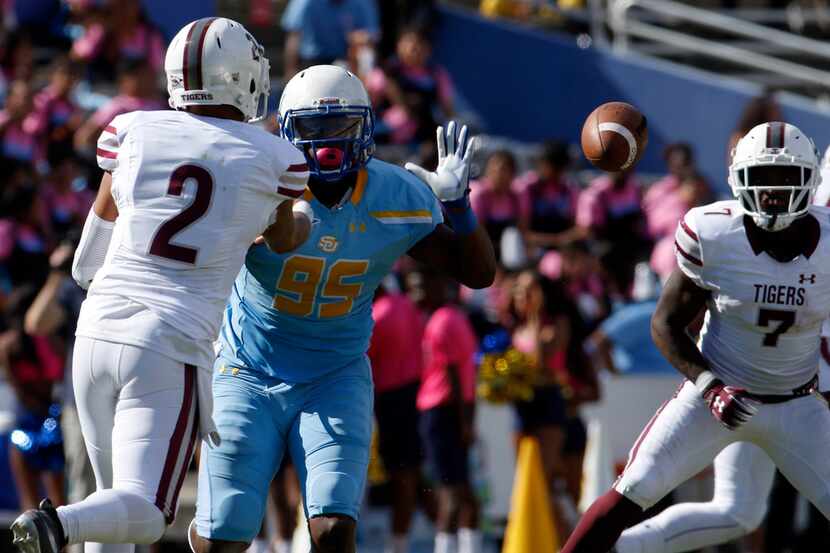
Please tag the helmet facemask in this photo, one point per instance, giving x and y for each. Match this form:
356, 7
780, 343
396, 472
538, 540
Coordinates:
336, 139
776, 194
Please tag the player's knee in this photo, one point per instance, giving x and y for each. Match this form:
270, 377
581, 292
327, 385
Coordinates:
748, 515
643, 483
332, 533
151, 529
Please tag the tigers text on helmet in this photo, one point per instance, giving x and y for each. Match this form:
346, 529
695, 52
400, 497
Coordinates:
215, 61
325, 112
774, 174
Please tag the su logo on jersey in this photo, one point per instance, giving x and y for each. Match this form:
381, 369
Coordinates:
328, 243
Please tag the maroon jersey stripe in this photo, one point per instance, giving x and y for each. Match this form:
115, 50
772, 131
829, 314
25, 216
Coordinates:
110, 129
297, 168
290, 192
106, 153
688, 256
689, 231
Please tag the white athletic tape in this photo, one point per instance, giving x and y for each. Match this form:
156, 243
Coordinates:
625, 133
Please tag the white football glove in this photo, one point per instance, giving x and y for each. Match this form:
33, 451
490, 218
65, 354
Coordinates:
451, 178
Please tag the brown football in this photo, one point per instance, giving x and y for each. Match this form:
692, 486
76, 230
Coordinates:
614, 136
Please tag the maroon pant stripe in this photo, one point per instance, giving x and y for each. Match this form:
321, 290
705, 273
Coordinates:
174, 450
194, 432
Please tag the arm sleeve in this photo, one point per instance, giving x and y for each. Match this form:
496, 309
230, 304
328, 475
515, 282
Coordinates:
92, 249
689, 250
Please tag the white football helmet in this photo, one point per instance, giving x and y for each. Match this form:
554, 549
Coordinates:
325, 111
774, 174
215, 61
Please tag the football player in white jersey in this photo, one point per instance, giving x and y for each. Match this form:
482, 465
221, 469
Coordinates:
744, 476
759, 268
184, 194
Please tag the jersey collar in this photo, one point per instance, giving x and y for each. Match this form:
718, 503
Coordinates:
808, 228
356, 191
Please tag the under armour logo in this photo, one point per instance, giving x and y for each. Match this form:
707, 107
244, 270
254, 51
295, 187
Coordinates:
720, 405
806, 278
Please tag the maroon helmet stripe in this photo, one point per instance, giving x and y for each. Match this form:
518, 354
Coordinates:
186, 59
192, 63
775, 135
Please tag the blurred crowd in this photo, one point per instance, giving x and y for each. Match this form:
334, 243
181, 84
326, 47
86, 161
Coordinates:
581, 258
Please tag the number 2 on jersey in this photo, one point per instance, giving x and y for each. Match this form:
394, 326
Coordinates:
785, 320
301, 277
161, 245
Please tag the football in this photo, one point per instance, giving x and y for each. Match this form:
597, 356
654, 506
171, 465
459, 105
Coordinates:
614, 136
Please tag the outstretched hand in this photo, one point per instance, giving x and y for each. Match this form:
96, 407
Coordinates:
450, 180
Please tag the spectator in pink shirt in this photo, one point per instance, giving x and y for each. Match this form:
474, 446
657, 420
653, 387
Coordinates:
116, 31
495, 203
66, 204
667, 200
579, 272
17, 141
548, 199
136, 92
447, 404
609, 211
55, 115
395, 355
409, 89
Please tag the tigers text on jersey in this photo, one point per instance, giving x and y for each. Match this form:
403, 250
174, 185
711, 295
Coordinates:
763, 321
192, 194
299, 315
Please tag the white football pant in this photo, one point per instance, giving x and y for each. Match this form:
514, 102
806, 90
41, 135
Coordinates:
139, 417
683, 438
743, 480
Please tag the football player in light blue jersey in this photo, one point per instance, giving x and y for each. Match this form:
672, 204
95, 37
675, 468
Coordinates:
292, 376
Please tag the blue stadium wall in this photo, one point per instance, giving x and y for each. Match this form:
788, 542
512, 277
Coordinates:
171, 15
531, 85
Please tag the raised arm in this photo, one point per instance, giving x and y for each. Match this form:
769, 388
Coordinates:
464, 251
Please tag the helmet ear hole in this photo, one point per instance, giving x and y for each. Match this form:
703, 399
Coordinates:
253, 86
